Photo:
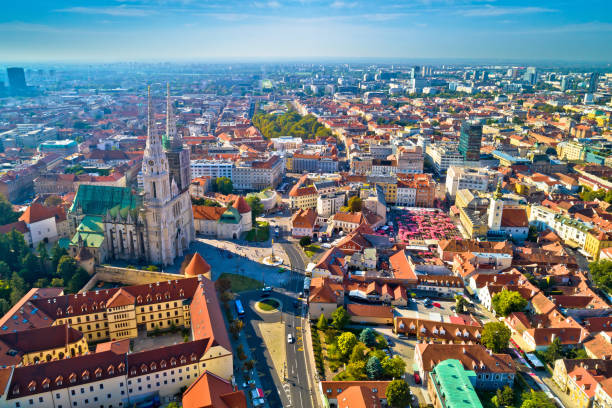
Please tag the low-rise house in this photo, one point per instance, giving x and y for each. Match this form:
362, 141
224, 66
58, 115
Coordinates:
563, 367
360, 394
457, 330
540, 338
603, 394
492, 370
370, 314
581, 386
324, 298
42, 223
303, 223
331, 264
600, 346
448, 248
440, 285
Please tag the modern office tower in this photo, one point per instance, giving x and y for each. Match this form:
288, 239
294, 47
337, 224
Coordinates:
16, 80
470, 140
593, 80
531, 75
566, 83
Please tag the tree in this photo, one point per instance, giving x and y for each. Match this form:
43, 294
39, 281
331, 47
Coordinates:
358, 353
56, 254
7, 215
66, 268
495, 336
4, 306
305, 241
57, 282
553, 352
322, 323
373, 368
5, 270
507, 302
346, 342
460, 304
257, 207
224, 185
340, 318
536, 400
602, 274
355, 204
31, 268
394, 367
398, 394
53, 201
356, 370
503, 398
235, 328
78, 280
151, 268
368, 337
43, 255
223, 284
18, 288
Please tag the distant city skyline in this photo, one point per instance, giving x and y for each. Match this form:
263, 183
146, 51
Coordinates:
179, 30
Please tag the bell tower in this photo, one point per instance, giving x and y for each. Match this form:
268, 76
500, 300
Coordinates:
155, 173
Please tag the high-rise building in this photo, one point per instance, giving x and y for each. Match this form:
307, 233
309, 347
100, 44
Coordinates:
176, 152
566, 83
531, 75
16, 80
593, 80
470, 140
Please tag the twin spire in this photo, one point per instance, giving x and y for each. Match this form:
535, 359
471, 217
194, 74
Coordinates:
154, 141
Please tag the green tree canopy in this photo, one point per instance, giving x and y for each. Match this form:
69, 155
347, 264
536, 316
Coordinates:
356, 369
359, 353
602, 274
346, 342
355, 204
223, 185
7, 215
495, 336
398, 394
340, 318
322, 322
368, 337
66, 268
460, 304
289, 124
394, 367
78, 280
305, 241
507, 302
257, 207
374, 369
538, 399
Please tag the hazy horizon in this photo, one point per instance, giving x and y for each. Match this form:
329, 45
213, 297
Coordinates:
306, 30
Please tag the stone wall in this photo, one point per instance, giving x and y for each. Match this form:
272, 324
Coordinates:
127, 276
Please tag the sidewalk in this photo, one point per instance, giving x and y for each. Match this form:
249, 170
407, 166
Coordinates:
239, 365
313, 378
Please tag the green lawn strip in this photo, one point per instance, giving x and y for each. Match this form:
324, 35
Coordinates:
241, 283
260, 234
268, 305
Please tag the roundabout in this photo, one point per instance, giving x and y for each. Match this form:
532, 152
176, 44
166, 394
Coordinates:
269, 305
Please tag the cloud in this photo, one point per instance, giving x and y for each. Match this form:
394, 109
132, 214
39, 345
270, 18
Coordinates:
267, 4
117, 11
29, 27
494, 11
342, 4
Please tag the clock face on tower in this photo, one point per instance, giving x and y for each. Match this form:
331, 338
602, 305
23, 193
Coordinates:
150, 162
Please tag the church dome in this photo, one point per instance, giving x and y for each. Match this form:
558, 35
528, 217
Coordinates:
197, 266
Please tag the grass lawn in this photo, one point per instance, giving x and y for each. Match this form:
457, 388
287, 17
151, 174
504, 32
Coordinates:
311, 250
268, 305
260, 234
241, 283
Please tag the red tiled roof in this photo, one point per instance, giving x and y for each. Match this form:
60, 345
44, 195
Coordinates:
120, 298
401, 266
359, 310
203, 212
473, 357
241, 205
332, 389
197, 266
211, 391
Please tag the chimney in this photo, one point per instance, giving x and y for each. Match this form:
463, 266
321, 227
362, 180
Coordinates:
464, 351
553, 337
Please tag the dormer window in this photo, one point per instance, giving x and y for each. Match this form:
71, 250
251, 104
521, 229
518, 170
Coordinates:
59, 380
163, 364
85, 375
153, 366
72, 378
144, 368
98, 372
110, 370
193, 357
173, 361
45, 383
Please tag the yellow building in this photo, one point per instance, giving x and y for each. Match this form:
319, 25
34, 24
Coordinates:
390, 190
289, 163
472, 223
581, 386
595, 241
43, 344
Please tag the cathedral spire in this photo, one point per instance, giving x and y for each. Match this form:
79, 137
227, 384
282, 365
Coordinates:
174, 139
153, 147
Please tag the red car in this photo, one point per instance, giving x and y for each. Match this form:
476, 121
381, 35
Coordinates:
436, 304
417, 378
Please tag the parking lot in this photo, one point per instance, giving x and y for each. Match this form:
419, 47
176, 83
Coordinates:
437, 307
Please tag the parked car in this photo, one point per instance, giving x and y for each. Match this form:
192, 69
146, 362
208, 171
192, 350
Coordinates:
290, 338
436, 304
266, 291
417, 378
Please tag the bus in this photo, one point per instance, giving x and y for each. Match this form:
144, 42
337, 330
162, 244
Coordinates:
239, 308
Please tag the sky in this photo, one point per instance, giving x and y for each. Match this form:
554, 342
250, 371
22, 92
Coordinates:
209, 30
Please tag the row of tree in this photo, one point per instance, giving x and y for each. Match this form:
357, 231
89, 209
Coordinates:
289, 124
21, 269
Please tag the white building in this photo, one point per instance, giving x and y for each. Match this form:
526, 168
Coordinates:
443, 156
472, 178
329, 204
284, 143
211, 168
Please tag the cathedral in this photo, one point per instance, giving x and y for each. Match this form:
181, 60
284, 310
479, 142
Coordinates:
155, 226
